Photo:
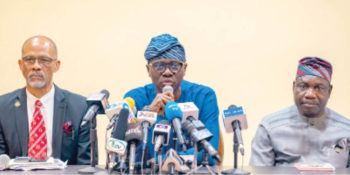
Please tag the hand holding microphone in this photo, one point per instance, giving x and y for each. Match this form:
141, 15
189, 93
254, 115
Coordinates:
162, 99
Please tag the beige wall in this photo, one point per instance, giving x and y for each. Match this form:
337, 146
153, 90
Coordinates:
247, 51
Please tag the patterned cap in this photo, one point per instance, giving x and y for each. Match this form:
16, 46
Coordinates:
165, 46
315, 66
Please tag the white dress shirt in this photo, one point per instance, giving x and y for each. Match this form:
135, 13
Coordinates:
47, 110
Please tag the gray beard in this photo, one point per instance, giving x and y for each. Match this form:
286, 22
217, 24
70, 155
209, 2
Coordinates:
37, 84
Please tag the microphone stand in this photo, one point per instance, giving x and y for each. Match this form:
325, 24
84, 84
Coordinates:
235, 170
204, 167
160, 160
109, 156
93, 143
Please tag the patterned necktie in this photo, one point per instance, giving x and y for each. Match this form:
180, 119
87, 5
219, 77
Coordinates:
37, 145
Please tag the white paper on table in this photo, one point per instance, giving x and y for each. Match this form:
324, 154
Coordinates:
50, 164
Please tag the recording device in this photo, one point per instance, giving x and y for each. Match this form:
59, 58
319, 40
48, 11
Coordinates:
200, 134
133, 136
174, 115
4, 161
97, 105
161, 134
234, 119
113, 110
189, 109
116, 143
173, 162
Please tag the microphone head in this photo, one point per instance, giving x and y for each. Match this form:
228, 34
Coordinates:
168, 89
4, 161
232, 114
134, 133
116, 146
172, 110
130, 101
150, 117
196, 130
100, 99
106, 92
115, 108
189, 109
232, 106
162, 128
147, 108
120, 125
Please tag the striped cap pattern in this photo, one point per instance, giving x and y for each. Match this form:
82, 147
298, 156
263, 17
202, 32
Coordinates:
315, 66
165, 46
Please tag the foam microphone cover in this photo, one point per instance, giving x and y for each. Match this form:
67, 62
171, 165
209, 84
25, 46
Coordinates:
121, 124
172, 110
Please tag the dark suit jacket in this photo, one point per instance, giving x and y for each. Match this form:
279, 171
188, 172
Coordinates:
14, 132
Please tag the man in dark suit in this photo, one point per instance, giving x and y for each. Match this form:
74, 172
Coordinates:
43, 120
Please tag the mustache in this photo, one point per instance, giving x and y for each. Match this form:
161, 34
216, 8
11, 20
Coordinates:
36, 73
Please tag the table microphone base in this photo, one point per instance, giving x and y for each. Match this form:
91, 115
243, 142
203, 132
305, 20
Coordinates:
88, 170
204, 169
235, 171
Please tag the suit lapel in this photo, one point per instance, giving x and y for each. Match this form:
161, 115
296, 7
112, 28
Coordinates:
58, 119
21, 117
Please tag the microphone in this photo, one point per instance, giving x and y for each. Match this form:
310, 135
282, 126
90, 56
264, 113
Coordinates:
116, 145
174, 115
200, 134
161, 134
116, 142
4, 161
113, 110
98, 104
173, 162
147, 119
168, 89
133, 136
147, 108
189, 110
234, 119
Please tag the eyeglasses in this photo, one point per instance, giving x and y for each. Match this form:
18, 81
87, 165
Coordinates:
160, 67
43, 61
